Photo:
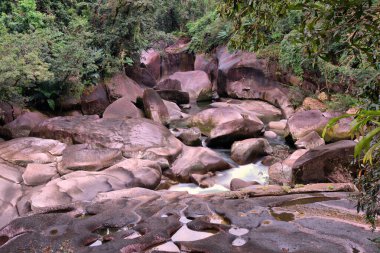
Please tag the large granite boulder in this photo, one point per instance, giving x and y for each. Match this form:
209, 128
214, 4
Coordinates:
208, 64
263, 110
310, 141
122, 108
136, 138
176, 96
151, 59
120, 86
23, 151
282, 172
88, 157
22, 125
94, 100
196, 160
175, 112
227, 133
189, 136
223, 126
84, 185
208, 119
242, 75
155, 108
247, 151
196, 83
177, 58
304, 122
328, 163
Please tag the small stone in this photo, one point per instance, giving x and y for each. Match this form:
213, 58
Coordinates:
323, 97
270, 135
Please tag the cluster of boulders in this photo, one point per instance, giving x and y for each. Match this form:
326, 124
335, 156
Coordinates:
117, 135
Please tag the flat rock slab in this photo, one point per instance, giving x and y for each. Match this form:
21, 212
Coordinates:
138, 220
136, 138
24, 151
263, 110
84, 186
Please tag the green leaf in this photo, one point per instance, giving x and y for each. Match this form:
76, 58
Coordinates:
51, 104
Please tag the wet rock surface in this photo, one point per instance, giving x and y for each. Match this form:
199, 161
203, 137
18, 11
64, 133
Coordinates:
196, 160
142, 220
249, 150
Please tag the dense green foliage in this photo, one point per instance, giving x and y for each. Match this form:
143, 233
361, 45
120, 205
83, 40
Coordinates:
50, 49
336, 41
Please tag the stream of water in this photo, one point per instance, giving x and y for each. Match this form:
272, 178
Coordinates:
249, 172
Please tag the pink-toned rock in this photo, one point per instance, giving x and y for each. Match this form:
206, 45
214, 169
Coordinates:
208, 64
282, 172
242, 75
120, 85
278, 125
155, 108
22, 126
136, 138
310, 141
23, 151
263, 110
196, 160
11, 172
10, 193
122, 108
237, 184
177, 58
225, 134
247, 151
304, 122
196, 83
85, 185
152, 61
208, 119
327, 163
38, 174
174, 111
88, 157
94, 100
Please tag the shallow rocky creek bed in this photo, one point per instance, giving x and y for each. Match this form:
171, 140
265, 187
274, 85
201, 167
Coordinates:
206, 160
